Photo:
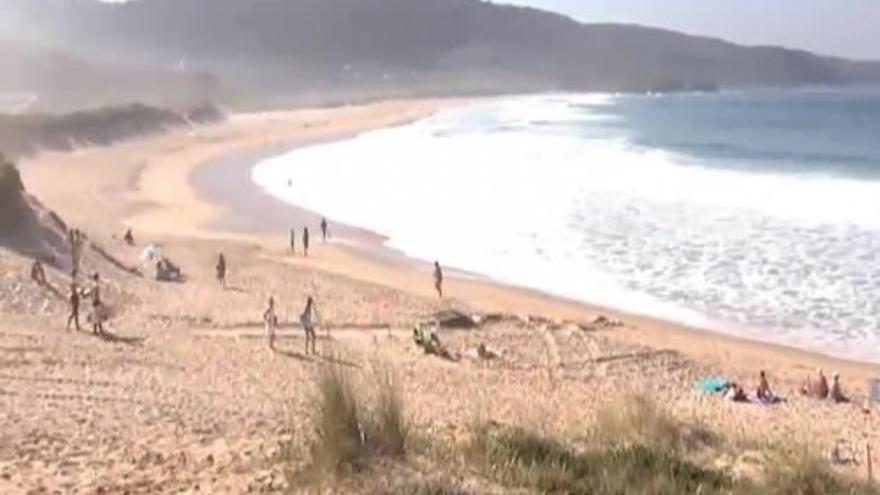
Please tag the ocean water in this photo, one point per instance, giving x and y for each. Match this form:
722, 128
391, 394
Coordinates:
756, 214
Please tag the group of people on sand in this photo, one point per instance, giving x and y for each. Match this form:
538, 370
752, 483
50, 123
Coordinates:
325, 234
307, 319
816, 386
99, 314
735, 392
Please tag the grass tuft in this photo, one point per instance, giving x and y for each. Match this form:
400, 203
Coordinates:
352, 427
638, 421
810, 475
522, 459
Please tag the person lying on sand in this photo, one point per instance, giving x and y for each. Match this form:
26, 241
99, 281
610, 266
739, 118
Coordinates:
816, 386
270, 319
38, 275
735, 393
836, 392
764, 394
308, 318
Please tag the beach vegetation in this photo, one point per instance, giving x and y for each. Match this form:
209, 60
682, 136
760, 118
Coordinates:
353, 425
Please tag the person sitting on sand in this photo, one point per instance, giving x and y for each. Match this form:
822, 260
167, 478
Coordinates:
816, 387
128, 237
74, 306
430, 342
166, 271
764, 394
38, 275
836, 393
438, 279
485, 353
306, 241
308, 318
735, 393
221, 270
270, 319
324, 232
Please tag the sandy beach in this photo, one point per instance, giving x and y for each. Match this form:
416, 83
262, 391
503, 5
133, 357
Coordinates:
187, 397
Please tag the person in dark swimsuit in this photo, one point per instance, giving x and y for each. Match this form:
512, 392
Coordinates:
74, 306
306, 241
221, 270
324, 231
438, 279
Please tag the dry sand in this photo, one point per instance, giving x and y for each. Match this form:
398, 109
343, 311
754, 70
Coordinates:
185, 395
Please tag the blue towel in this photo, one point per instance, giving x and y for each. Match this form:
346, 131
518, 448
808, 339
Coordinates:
712, 385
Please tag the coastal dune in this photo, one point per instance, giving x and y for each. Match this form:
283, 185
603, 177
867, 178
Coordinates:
185, 395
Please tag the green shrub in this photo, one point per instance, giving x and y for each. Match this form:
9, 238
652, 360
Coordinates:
521, 459
638, 421
809, 475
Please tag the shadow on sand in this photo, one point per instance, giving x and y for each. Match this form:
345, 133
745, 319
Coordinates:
117, 339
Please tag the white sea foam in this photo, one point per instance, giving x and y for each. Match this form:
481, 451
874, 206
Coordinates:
508, 189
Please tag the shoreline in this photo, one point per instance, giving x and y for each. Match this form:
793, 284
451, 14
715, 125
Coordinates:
368, 247
161, 195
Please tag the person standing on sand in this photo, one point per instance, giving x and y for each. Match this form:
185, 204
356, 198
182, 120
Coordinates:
324, 232
308, 318
271, 321
438, 279
74, 306
292, 241
97, 306
306, 242
38, 275
75, 238
221, 270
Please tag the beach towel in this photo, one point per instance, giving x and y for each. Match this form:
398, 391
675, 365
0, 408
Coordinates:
712, 385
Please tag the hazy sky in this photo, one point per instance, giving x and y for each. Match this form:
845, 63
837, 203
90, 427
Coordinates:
849, 28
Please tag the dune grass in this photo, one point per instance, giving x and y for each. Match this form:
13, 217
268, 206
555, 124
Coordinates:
352, 426
639, 449
518, 458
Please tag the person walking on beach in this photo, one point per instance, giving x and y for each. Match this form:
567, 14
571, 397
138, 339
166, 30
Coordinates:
271, 321
308, 318
75, 238
221, 270
324, 232
438, 279
306, 242
97, 306
74, 306
292, 241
